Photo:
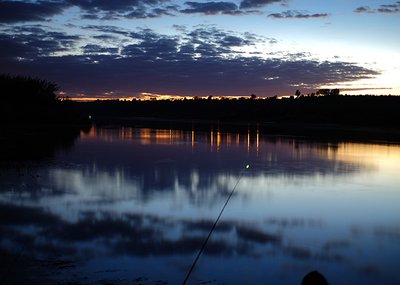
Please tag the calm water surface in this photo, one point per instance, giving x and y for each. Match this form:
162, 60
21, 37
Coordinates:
133, 206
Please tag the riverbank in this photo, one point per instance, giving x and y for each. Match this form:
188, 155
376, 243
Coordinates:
338, 117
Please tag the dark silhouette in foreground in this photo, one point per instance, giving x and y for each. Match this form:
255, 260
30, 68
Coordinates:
33, 121
314, 278
33, 101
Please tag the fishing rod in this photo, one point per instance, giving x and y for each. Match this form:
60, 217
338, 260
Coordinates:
185, 281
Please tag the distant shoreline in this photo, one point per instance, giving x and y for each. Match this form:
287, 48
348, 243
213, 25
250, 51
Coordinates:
328, 118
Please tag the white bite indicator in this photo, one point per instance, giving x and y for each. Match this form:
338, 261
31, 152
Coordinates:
247, 166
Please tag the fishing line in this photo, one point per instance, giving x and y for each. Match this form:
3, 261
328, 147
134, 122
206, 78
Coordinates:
185, 281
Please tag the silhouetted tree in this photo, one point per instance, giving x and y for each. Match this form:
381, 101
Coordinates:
297, 93
328, 92
22, 89
324, 92
335, 92
32, 101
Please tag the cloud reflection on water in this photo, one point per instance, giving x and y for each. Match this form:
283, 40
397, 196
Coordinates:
151, 197
127, 162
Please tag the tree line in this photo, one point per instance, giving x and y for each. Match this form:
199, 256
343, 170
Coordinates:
32, 100
343, 110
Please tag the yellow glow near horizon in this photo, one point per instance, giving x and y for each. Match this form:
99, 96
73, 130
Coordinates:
154, 97
383, 157
376, 157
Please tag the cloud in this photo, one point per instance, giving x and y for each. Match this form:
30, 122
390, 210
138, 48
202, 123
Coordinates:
233, 41
19, 11
12, 49
113, 234
363, 9
30, 42
112, 6
97, 49
246, 4
24, 11
151, 62
215, 41
110, 10
105, 37
383, 8
211, 8
226, 8
297, 15
150, 232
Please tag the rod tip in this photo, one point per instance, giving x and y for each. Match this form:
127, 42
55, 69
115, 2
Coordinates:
247, 166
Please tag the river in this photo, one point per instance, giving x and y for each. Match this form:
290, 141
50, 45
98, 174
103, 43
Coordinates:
134, 205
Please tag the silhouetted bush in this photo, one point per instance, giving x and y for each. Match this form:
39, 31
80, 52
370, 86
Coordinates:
34, 123
27, 90
32, 101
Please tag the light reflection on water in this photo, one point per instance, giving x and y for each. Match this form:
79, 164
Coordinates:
131, 205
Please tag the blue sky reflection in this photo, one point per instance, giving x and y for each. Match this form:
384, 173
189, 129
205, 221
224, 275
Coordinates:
128, 203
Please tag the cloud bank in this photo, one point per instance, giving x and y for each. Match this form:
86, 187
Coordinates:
19, 11
129, 62
203, 61
26, 11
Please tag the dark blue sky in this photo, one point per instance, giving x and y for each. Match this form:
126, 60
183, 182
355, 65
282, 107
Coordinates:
130, 48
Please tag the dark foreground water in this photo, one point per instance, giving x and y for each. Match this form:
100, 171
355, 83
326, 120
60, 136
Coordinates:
133, 206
